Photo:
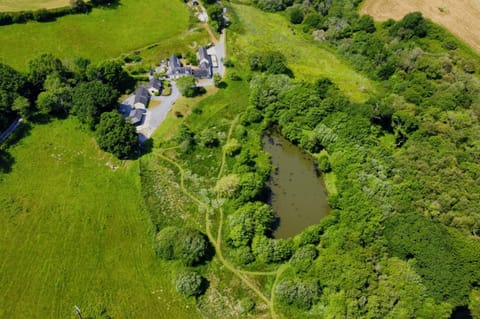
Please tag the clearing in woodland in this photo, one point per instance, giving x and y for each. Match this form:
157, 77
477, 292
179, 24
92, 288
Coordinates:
73, 231
461, 17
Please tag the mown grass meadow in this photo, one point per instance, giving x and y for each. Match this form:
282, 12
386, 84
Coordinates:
21, 5
103, 33
74, 231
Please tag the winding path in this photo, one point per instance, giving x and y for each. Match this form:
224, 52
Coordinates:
216, 239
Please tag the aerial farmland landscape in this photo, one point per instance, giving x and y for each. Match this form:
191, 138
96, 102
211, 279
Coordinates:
239, 159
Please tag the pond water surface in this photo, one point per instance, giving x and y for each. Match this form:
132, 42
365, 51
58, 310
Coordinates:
298, 195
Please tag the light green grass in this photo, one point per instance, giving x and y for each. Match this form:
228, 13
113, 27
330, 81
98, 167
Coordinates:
307, 59
73, 232
20, 5
102, 34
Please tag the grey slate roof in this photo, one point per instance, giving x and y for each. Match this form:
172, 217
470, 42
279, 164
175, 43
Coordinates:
141, 95
173, 62
155, 83
203, 55
202, 73
136, 116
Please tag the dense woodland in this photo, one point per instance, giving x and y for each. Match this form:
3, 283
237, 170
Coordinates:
407, 161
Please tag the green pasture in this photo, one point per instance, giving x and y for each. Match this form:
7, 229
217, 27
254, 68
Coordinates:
73, 231
20, 5
102, 34
308, 60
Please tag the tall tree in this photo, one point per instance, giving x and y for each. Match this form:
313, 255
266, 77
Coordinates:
42, 66
91, 99
116, 136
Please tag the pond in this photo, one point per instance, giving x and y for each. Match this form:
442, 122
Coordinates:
298, 195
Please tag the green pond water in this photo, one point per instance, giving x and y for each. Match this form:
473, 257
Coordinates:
298, 195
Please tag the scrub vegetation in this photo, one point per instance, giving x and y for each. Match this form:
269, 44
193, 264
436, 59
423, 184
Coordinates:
397, 243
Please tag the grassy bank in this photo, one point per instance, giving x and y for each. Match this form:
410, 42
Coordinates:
73, 231
102, 34
307, 59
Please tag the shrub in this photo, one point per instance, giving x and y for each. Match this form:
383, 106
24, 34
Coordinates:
303, 258
242, 255
251, 115
209, 138
227, 185
190, 283
269, 250
184, 244
296, 15
232, 147
300, 294
324, 164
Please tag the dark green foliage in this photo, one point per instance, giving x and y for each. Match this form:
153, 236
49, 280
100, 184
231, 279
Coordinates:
273, 62
252, 187
187, 86
209, 137
448, 264
247, 221
268, 250
324, 165
251, 115
22, 106
190, 283
273, 5
412, 25
242, 255
303, 258
299, 294
91, 99
365, 23
296, 15
185, 138
215, 13
56, 97
111, 72
187, 245
12, 86
313, 21
39, 68
266, 88
117, 136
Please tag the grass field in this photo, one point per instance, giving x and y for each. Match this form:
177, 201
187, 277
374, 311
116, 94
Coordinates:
461, 17
20, 5
104, 33
308, 60
73, 232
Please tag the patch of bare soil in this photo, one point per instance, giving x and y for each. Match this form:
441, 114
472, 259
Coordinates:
461, 17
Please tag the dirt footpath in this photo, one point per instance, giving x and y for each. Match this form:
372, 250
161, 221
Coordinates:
461, 17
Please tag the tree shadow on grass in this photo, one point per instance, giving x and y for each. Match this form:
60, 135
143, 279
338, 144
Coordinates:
222, 85
108, 4
6, 159
146, 147
6, 162
22, 131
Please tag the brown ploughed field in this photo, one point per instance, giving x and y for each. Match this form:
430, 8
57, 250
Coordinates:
461, 17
